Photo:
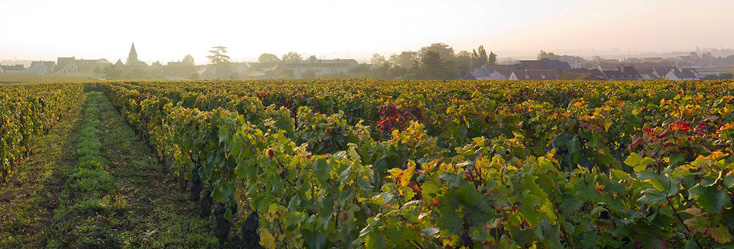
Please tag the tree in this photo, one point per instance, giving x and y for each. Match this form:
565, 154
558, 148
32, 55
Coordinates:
444, 51
286, 73
547, 55
405, 60
268, 60
218, 55
291, 56
188, 60
220, 60
492, 58
137, 72
693, 55
378, 60
362, 70
308, 74
726, 76
570, 59
483, 57
479, 58
466, 62
110, 71
432, 67
234, 75
194, 76
312, 59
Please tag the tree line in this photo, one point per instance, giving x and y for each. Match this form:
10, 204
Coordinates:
435, 62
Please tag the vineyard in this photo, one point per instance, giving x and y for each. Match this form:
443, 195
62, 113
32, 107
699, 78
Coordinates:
27, 111
427, 164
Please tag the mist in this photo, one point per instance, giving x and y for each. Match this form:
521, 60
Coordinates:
168, 30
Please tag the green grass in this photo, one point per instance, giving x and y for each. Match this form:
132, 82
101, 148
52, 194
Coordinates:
88, 206
28, 200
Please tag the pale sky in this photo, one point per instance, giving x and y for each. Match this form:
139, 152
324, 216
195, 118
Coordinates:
168, 30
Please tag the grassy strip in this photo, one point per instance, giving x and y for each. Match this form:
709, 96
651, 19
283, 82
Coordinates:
28, 200
118, 196
159, 215
89, 205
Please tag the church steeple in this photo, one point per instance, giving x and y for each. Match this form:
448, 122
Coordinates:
132, 58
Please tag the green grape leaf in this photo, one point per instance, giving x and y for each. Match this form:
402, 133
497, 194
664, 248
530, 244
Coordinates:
321, 169
712, 200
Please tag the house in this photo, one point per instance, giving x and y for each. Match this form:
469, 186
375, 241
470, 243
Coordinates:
550, 75
240, 68
629, 73
555, 64
609, 64
653, 73
617, 73
1, 69
493, 72
597, 73
544, 64
593, 74
156, 69
322, 68
683, 74
67, 68
647, 73
19, 68
70, 65
41, 67
86, 66
119, 64
660, 72
533, 65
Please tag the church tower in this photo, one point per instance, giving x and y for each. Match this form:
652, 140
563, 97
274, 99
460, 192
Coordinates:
132, 58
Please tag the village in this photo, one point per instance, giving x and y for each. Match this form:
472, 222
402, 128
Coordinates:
553, 67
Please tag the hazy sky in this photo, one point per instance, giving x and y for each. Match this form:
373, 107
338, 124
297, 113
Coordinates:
168, 30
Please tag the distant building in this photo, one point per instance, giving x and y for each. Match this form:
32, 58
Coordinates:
660, 72
41, 67
19, 68
683, 74
550, 75
70, 65
544, 64
65, 65
322, 68
622, 73
493, 72
240, 68
132, 58
1, 69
